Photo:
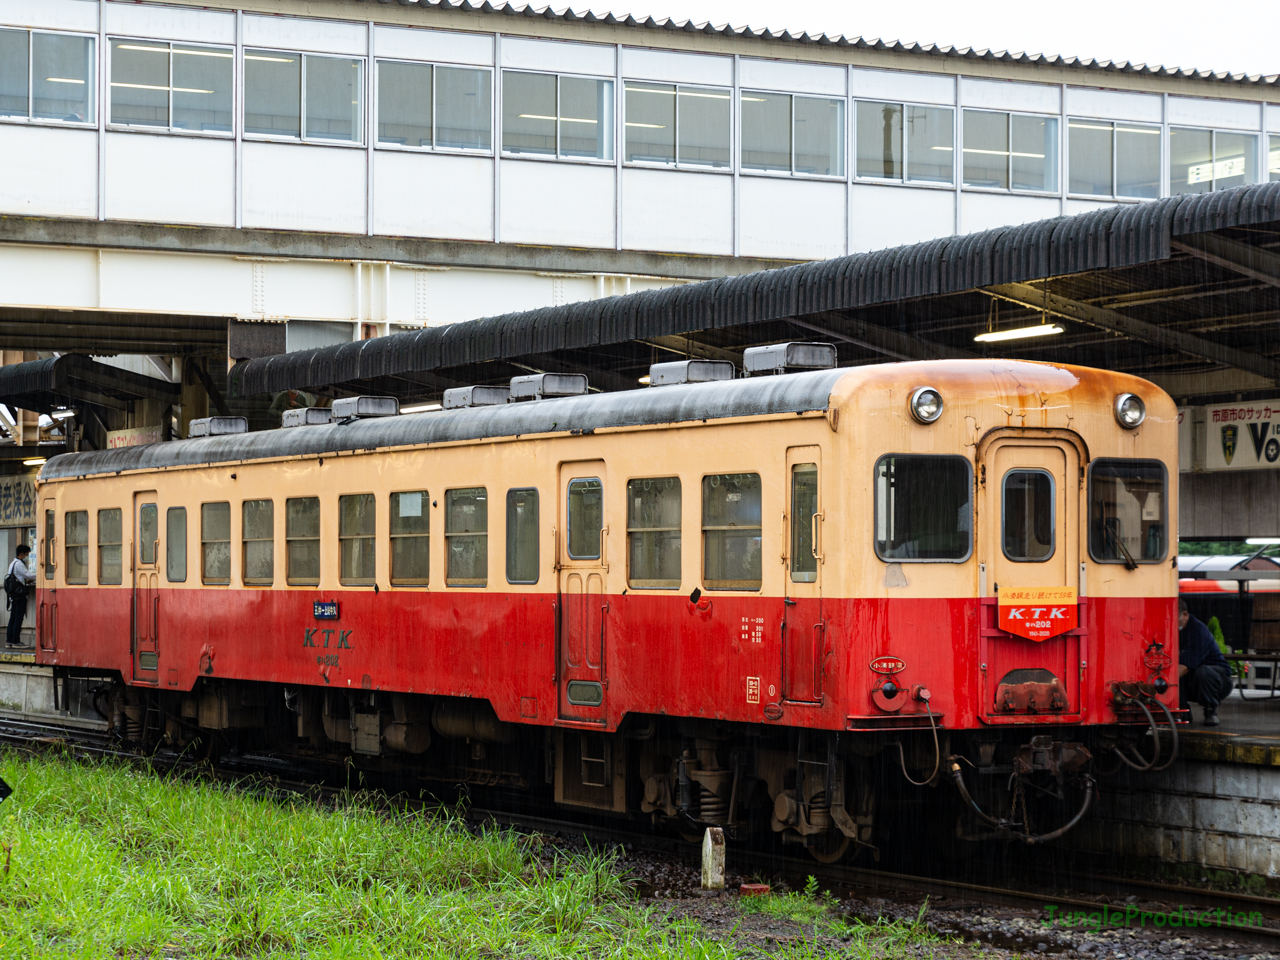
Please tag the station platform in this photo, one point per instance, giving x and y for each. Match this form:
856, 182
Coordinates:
1249, 732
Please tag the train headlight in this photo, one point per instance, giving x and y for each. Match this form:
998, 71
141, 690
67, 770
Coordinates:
1130, 410
926, 404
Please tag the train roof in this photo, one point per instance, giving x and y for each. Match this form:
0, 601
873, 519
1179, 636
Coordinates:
758, 396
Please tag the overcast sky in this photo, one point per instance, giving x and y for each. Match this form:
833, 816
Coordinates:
1235, 36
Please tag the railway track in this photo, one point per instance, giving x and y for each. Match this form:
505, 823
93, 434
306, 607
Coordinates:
1065, 891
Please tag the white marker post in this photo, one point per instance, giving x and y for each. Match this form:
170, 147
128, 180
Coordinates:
713, 859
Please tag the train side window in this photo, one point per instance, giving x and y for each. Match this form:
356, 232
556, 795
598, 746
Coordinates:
731, 555
215, 542
356, 536
258, 519
1127, 511
50, 534
1028, 516
804, 504
148, 533
176, 545
924, 509
302, 540
522, 536
466, 536
77, 546
110, 539
653, 533
410, 538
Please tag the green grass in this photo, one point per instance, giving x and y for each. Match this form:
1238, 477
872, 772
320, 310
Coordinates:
109, 860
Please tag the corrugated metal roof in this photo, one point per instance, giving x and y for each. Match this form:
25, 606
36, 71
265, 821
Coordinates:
793, 393
1120, 236
839, 40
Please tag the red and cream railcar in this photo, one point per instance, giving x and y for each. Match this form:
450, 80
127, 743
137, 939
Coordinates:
740, 602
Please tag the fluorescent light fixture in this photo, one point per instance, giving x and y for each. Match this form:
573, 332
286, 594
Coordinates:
63, 80
35, 462
202, 53
1039, 330
648, 126
138, 46
421, 408
645, 380
272, 59
62, 414
1262, 541
1004, 153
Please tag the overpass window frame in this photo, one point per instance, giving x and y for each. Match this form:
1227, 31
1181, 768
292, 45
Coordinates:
41, 45
183, 84
650, 110
756, 137
1219, 171
484, 135
910, 141
1124, 161
292, 93
606, 103
1273, 158
1015, 143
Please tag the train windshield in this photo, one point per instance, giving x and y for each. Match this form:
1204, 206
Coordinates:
1127, 505
924, 508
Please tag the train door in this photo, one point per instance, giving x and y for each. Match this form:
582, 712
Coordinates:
1031, 547
47, 615
146, 587
583, 573
803, 628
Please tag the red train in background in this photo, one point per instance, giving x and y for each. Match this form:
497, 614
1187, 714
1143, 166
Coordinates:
895, 575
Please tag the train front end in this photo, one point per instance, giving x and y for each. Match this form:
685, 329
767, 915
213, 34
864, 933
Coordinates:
1013, 616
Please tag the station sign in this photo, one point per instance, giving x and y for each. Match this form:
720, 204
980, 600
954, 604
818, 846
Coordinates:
1039, 613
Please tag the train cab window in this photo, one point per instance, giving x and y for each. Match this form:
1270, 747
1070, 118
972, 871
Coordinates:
148, 533
924, 509
109, 542
302, 540
175, 545
215, 542
653, 533
77, 546
804, 504
586, 518
50, 534
1127, 511
356, 535
1028, 516
466, 537
522, 536
410, 537
731, 555
258, 533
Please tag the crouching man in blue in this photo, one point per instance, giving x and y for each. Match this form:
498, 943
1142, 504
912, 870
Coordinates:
1203, 673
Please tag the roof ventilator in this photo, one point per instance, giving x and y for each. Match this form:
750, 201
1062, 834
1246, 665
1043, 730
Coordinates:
543, 386
352, 408
690, 371
788, 358
306, 417
217, 426
456, 398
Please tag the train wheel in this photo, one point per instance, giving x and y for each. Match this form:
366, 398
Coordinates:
828, 847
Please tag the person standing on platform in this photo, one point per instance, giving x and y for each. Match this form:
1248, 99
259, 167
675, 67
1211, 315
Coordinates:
1203, 673
16, 583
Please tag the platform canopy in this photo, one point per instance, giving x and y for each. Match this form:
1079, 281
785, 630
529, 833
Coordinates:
73, 380
1184, 291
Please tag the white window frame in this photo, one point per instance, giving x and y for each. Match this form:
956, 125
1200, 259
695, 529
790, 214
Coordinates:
727, 169
31, 86
170, 129
842, 177
1115, 160
1213, 148
360, 144
904, 180
433, 64
557, 158
1011, 189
